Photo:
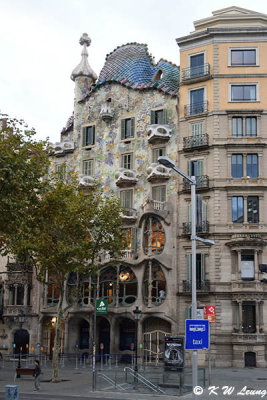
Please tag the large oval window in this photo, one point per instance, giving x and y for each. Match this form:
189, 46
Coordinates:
154, 284
127, 286
154, 236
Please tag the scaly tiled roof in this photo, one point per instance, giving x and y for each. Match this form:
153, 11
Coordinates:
131, 65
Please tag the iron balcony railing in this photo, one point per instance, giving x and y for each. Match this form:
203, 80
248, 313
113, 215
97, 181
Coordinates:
195, 72
202, 182
200, 228
196, 108
196, 141
202, 286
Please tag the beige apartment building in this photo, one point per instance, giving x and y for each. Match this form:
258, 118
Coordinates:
222, 141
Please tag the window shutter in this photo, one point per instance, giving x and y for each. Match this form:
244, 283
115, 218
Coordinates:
165, 117
123, 128
132, 126
153, 117
134, 239
200, 168
203, 260
189, 168
189, 213
188, 313
204, 211
93, 134
189, 267
84, 136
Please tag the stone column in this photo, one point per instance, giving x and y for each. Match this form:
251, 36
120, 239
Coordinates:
256, 265
238, 264
66, 336
149, 283
16, 294
117, 288
240, 315
26, 288
245, 207
113, 336
257, 316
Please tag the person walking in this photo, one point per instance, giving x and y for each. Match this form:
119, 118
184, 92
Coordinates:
37, 375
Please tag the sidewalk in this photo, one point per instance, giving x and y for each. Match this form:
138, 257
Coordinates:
76, 383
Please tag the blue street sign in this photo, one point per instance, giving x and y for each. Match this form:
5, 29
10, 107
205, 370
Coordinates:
197, 334
38, 345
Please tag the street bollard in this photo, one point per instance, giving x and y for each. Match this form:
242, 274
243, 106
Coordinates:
116, 361
76, 362
84, 361
12, 392
109, 362
106, 362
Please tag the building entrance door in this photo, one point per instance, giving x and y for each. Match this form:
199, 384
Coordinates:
154, 345
250, 359
21, 340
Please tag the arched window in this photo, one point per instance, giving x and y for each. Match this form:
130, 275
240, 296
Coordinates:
53, 291
72, 288
127, 286
84, 290
155, 280
107, 285
154, 236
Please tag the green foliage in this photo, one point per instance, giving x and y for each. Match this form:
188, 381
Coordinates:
23, 162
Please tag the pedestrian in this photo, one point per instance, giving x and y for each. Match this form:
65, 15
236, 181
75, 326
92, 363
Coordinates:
37, 375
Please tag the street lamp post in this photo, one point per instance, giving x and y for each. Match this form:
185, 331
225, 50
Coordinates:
137, 315
167, 162
21, 319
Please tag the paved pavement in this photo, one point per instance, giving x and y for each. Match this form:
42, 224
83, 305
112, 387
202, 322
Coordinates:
234, 384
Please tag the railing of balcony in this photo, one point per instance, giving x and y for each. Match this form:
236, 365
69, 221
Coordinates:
129, 212
202, 286
159, 205
195, 72
196, 108
202, 182
202, 228
196, 141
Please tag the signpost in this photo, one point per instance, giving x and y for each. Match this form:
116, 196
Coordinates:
197, 334
101, 306
209, 313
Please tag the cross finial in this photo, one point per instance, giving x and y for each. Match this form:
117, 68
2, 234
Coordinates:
85, 40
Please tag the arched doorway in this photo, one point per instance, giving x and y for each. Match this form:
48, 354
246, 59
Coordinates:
155, 330
48, 336
250, 359
21, 340
127, 334
104, 335
78, 334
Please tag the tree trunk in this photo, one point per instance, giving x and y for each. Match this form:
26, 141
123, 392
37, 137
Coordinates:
55, 360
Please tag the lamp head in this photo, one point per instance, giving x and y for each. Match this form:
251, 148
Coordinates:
166, 161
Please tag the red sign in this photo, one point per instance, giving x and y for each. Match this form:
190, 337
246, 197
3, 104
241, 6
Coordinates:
209, 313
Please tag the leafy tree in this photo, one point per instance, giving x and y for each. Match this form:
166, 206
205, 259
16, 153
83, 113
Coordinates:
69, 230
23, 161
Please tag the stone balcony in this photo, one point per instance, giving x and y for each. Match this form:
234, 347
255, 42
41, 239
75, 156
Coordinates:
129, 215
158, 173
245, 286
158, 133
86, 180
59, 149
106, 112
126, 177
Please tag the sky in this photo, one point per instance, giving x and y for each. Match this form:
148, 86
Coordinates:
39, 46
